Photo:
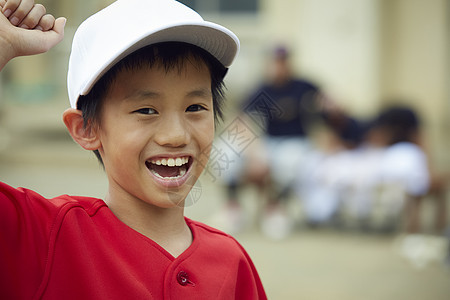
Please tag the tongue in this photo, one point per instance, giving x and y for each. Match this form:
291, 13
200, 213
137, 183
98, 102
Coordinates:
165, 171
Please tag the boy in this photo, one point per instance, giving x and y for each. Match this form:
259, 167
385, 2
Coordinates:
145, 83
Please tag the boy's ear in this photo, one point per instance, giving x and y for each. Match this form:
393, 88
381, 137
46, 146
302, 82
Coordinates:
85, 137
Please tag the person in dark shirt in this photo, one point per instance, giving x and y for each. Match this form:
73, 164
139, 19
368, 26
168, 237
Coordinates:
284, 109
289, 103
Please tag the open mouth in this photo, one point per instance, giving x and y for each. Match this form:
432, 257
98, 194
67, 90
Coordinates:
169, 168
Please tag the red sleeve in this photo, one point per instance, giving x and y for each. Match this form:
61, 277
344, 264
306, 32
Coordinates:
248, 273
25, 228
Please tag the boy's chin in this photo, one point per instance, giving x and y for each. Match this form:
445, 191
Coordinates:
188, 195
176, 199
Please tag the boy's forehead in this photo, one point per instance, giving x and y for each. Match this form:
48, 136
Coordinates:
146, 81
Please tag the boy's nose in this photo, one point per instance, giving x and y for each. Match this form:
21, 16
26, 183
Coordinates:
172, 132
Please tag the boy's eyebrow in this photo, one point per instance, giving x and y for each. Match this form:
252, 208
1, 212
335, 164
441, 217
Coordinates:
202, 93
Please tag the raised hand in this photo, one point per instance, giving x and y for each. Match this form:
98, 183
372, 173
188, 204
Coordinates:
26, 29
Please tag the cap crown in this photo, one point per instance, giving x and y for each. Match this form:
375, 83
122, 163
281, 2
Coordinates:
128, 25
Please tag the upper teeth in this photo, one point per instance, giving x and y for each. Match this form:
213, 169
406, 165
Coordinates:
171, 162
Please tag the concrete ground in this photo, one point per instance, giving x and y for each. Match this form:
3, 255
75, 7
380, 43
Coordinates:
310, 264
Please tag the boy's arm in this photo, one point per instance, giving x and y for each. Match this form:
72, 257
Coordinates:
26, 29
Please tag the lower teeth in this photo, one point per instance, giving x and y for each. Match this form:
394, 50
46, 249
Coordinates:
181, 174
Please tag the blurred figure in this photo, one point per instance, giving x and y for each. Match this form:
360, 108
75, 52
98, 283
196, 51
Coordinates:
284, 108
323, 179
369, 176
404, 168
388, 171
407, 164
392, 174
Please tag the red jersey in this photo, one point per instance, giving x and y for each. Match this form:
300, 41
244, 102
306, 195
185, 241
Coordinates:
75, 248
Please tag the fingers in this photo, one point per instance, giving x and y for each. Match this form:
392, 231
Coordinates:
56, 33
48, 39
17, 10
26, 14
33, 18
59, 25
46, 23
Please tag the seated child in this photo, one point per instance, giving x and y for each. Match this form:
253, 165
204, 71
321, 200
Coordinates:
145, 84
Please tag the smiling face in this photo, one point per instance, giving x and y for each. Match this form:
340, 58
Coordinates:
156, 129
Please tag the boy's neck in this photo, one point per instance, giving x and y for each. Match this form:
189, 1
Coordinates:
165, 226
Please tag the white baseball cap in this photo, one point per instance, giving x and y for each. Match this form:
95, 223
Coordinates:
125, 26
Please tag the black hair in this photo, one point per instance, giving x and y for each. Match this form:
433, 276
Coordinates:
401, 122
169, 55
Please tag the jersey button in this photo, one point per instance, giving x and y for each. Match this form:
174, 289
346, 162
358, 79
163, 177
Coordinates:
183, 278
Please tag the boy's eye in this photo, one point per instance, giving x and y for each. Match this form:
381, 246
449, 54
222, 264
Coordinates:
146, 111
195, 107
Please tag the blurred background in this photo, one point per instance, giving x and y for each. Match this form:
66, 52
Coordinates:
363, 55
